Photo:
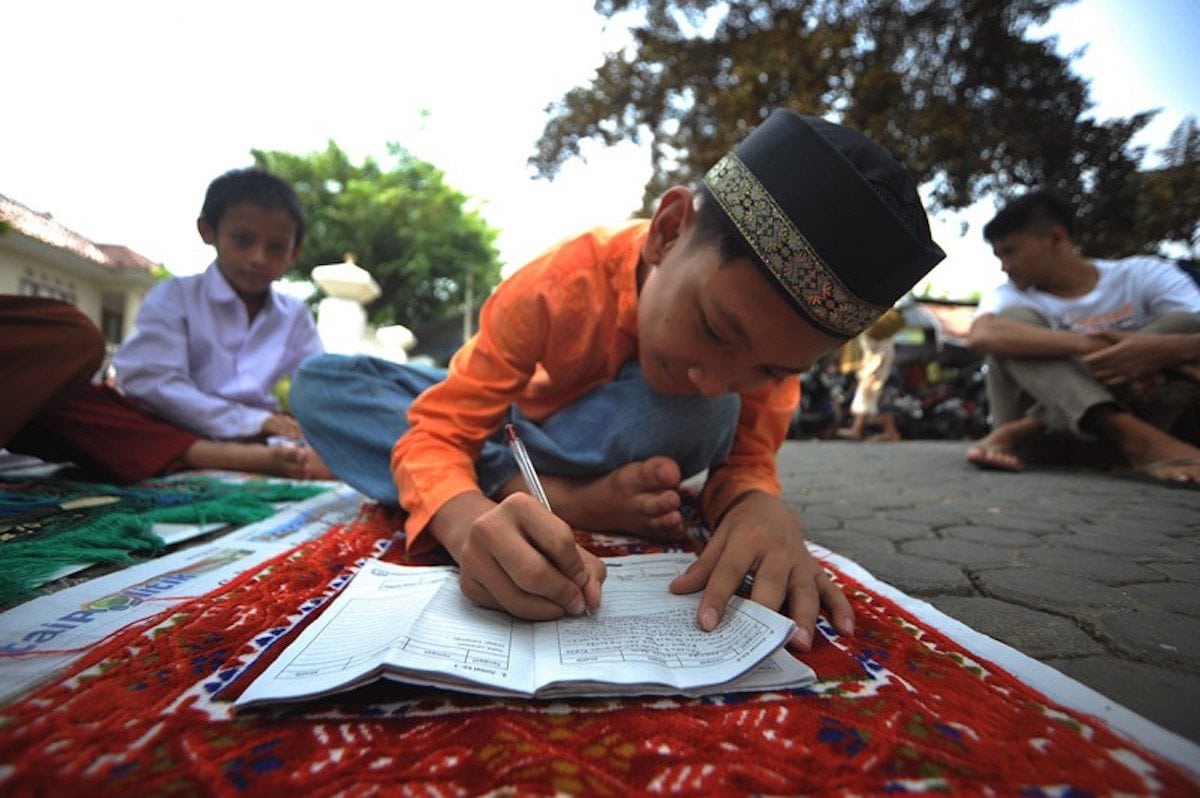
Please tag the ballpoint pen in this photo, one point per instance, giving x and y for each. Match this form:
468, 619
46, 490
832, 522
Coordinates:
531, 478
526, 466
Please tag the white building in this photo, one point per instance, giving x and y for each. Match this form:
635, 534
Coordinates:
40, 257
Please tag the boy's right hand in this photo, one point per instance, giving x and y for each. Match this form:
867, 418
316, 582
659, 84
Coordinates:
517, 556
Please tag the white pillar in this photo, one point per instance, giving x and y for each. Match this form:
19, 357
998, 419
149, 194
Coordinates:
341, 323
341, 318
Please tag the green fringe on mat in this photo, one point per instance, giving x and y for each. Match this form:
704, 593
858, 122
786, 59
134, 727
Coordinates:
112, 537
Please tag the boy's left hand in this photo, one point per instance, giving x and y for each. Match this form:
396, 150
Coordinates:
1132, 356
760, 535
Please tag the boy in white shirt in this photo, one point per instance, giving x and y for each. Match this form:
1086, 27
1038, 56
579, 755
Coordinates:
210, 349
1077, 345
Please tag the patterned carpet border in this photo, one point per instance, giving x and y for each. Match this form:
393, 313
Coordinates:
899, 707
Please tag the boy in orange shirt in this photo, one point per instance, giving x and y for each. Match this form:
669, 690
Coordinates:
630, 358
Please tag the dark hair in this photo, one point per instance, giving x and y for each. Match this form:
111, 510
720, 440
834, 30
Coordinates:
713, 228
256, 187
1038, 210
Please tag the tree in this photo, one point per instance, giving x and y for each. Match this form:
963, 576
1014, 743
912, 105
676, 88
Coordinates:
1168, 207
404, 223
956, 89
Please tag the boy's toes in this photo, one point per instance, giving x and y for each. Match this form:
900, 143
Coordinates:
651, 506
990, 456
661, 472
290, 457
288, 462
314, 467
667, 527
289, 454
660, 503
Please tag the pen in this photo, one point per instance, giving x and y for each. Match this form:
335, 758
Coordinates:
526, 466
531, 478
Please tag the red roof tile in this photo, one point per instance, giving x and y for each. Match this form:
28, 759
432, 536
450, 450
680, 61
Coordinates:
44, 228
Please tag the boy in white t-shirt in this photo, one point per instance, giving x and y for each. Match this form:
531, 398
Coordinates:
1086, 346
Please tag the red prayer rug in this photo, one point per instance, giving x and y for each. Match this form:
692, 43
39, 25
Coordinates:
898, 707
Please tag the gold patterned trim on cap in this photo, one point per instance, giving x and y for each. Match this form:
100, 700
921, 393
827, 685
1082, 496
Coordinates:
785, 251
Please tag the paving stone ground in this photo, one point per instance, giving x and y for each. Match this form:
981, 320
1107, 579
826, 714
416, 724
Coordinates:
1092, 574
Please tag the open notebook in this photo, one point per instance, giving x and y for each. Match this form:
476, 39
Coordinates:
413, 625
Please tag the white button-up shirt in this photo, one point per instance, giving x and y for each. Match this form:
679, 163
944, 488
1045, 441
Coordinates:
197, 360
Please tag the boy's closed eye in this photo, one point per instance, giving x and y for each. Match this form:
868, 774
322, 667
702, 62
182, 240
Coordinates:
709, 331
776, 375
773, 373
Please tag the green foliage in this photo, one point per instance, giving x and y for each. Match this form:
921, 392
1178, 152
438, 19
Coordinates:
955, 89
403, 224
1168, 198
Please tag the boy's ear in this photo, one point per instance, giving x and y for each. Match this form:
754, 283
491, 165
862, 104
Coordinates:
671, 219
1060, 241
207, 234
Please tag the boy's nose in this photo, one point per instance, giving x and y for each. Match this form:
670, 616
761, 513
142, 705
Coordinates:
708, 382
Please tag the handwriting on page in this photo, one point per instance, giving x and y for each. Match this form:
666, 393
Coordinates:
414, 624
670, 638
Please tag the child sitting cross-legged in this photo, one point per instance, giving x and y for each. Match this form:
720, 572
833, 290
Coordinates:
209, 349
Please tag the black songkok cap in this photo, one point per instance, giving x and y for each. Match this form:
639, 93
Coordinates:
835, 221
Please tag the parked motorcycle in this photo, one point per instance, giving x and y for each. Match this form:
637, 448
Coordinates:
952, 406
825, 395
927, 400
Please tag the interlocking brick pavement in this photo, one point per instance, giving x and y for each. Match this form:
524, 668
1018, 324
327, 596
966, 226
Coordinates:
1092, 574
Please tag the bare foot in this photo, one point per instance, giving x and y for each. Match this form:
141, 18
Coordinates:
314, 467
1182, 471
997, 451
1152, 452
257, 458
1172, 459
640, 498
993, 457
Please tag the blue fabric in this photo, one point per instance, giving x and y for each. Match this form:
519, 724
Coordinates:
353, 409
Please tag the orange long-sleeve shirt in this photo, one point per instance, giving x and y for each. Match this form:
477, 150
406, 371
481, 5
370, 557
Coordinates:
554, 330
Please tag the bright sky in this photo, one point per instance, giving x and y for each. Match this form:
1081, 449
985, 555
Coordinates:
1141, 54
118, 114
